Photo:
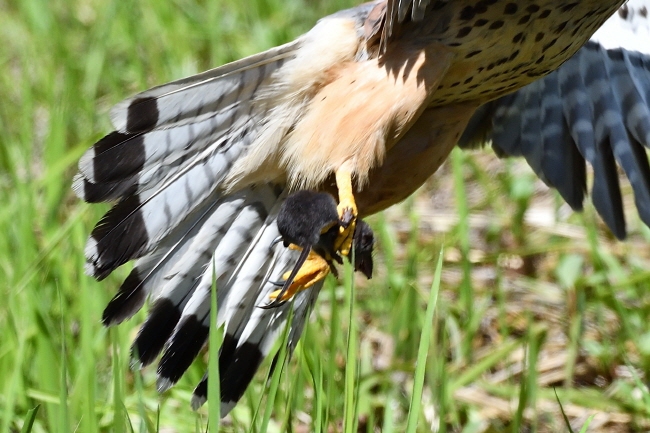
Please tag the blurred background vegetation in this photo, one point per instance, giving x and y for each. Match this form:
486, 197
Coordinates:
539, 310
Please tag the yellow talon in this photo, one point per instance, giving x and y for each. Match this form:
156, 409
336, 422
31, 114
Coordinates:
316, 267
347, 209
312, 271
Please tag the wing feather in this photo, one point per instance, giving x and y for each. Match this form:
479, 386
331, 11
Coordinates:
184, 274
137, 224
594, 108
224, 257
208, 92
559, 154
151, 272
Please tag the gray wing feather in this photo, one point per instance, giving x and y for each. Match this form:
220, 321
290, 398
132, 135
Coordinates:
151, 273
555, 153
189, 98
594, 108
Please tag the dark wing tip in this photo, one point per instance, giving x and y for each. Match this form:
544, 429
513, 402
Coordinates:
118, 237
129, 299
240, 370
116, 156
200, 394
183, 347
142, 114
102, 192
155, 331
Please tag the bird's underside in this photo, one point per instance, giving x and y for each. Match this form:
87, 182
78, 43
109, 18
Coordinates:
366, 105
360, 101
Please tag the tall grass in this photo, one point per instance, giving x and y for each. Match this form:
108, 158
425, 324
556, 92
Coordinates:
532, 301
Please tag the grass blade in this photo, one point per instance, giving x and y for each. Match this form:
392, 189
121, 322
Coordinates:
29, 419
118, 384
423, 350
587, 423
274, 382
351, 367
564, 417
63, 384
215, 342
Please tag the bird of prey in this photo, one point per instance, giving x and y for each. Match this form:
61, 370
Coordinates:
366, 106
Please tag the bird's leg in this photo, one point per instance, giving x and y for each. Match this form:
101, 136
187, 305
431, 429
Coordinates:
314, 269
347, 209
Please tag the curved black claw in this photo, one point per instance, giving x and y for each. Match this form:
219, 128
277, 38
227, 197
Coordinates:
277, 302
347, 218
276, 283
276, 241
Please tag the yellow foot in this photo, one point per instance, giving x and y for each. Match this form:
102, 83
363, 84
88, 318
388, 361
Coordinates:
312, 271
347, 209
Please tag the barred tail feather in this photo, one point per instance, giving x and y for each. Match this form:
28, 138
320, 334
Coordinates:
175, 276
251, 332
242, 357
230, 258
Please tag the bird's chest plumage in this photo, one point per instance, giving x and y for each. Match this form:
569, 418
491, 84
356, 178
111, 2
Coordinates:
366, 99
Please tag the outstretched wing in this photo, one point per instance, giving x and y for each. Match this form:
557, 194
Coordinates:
594, 108
164, 167
172, 148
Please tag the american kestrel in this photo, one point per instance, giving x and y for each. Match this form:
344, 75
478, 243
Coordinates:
366, 106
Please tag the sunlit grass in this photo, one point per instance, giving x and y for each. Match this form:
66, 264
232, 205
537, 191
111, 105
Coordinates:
533, 300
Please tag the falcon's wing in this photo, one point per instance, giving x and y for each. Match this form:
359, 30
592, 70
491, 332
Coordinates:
164, 168
594, 108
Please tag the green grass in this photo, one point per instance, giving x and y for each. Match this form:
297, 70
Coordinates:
533, 300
